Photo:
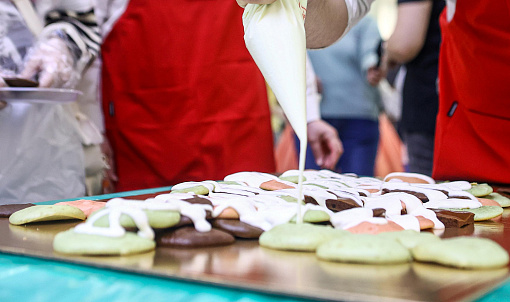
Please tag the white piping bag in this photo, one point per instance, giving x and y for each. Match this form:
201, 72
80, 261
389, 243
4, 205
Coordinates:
275, 37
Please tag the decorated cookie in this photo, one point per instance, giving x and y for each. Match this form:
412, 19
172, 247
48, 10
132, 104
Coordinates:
502, 200
367, 227
462, 252
488, 202
272, 185
237, 228
157, 219
40, 213
298, 237
368, 249
480, 190
456, 219
70, 242
7, 210
188, 237
87, 206
484, 212
190, 187
314, 216
409, 177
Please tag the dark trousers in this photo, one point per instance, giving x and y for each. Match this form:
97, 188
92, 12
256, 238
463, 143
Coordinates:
360, 138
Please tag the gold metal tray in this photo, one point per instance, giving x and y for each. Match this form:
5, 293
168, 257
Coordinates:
248, 266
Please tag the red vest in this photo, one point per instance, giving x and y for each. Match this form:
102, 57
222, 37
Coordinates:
183, 99
473, 123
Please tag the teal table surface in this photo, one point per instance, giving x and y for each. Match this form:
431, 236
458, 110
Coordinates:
32, 279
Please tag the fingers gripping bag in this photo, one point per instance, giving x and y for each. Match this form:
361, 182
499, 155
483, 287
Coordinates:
275, 37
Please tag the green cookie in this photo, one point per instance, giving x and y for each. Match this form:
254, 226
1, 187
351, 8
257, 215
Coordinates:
199, 190
298, 237
502, 200
463, 252
483, 213
158, 219
40, 213
294, 178
409, 238
69, 242
314, 216
480, 190
364, 248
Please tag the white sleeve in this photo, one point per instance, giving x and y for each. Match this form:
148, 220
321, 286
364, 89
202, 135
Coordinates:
356, 10
313, 97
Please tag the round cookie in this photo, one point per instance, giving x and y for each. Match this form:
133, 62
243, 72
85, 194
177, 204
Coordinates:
479, 190
368, 249
502, 200
409, 238
314, 216
198, 189
292, 178
40, 213
87, 206
409, 177
70, 242
158, 219
188, 237
483, 213
237, 228
298, 237
462, 252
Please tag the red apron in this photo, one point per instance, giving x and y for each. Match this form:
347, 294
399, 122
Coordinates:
473, 123
182, 97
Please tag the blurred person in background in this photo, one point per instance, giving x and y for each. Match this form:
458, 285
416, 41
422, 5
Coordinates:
349, 74
182, 97
415, 43
41, 154
473, 123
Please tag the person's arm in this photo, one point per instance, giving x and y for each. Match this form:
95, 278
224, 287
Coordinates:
411, 29
326, 20
322, 137
68, 43
368, 38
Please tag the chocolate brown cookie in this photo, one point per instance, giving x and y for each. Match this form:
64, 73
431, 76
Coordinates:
188, 237
20, 82
237, 228
341, 204
455, 219
6, 210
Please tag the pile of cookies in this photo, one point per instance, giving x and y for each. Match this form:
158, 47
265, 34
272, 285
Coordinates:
346, 218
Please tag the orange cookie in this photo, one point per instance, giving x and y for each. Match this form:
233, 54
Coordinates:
371, 228
273, 185
228, 213
87, 206
425, 223
488, 202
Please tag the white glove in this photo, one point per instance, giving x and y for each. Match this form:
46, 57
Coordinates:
53, 61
